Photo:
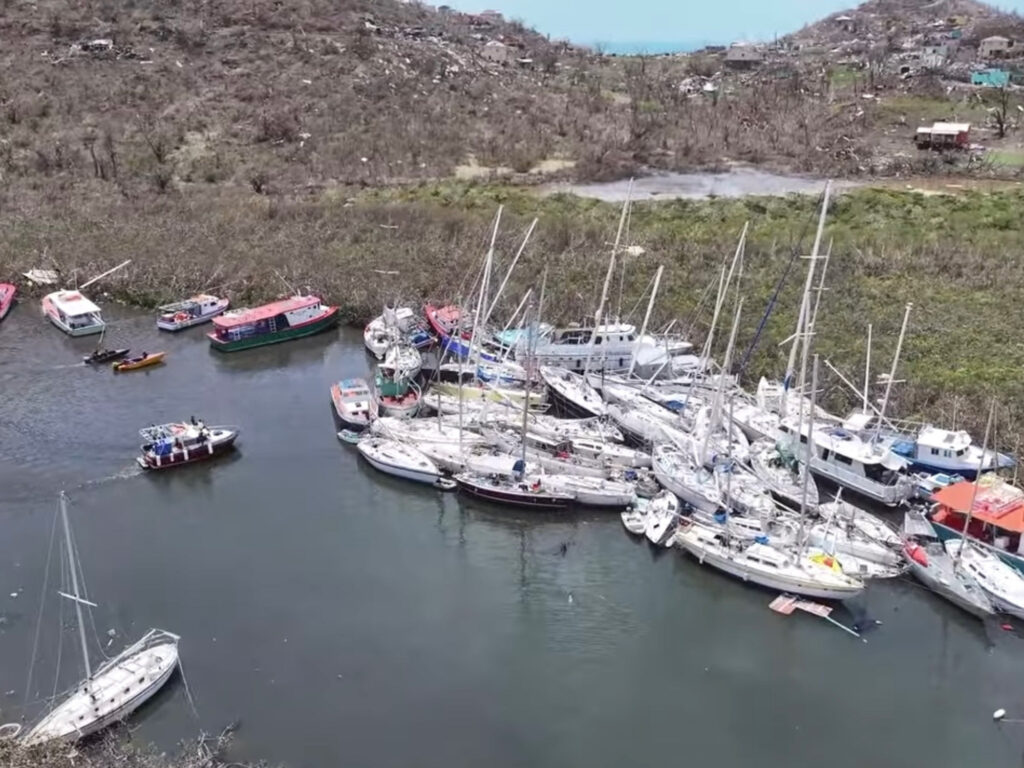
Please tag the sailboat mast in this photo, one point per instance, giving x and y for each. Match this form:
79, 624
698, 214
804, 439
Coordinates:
805, 321
974, 492
892, 371
867, 370
647, 315
531, 330
716, 406
485, 280
808, 456
508, 272
607, 282
73, 567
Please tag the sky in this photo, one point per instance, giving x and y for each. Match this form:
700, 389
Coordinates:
687, 21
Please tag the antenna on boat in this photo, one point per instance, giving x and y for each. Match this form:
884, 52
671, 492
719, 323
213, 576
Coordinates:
508, 272
974, 490
75, 597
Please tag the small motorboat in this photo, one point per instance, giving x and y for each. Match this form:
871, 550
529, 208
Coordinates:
7, 291
198, 309
173, 445
634, 517
353, 403
397, 397
400, 460
100, 356
145, 360
662, 519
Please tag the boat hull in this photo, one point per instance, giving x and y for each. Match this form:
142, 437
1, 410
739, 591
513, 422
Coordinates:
179, 458
541, 501
732, 568
7, 292
326, 322
86, 330
135, 365
405, 473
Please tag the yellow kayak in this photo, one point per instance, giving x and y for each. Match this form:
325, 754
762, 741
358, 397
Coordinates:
144, 360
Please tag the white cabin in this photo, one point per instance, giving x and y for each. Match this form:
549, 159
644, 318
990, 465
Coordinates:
841, 456
73, 313
609, 347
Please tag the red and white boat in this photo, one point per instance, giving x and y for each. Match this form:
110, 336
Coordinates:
445, 321
73, 313
174, 445
7, 291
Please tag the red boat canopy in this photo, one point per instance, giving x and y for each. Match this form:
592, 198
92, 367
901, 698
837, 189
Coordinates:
267, 311
997, 502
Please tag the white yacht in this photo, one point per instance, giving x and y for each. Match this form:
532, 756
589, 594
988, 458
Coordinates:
610, 347
839, 455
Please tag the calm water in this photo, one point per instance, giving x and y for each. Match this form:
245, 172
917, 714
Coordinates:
345, 618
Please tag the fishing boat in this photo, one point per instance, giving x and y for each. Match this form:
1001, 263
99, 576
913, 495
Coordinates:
180, 443
997, 516
394, 389
145, 360
811, 573
198, 309
279, 321
353, 403
73, 313
591, 491
115, 689
680, 473
400, 460
782, 473
7, 292
934, 567
571, 395
661, 519
527, 492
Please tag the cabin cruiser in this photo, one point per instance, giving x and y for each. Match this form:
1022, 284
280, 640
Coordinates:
609, 347
73, 313
844, 458
931, 449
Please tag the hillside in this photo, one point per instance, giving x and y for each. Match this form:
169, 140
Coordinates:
159, 95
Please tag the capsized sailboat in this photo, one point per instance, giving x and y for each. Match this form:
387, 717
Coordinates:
115, 689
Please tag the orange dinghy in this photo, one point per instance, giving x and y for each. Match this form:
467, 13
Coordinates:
144, 360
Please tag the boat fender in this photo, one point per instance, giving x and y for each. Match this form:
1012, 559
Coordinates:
917, 554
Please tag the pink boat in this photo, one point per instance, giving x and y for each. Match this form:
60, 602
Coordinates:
7, 292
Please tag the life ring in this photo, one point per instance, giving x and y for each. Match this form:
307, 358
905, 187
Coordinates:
9, 731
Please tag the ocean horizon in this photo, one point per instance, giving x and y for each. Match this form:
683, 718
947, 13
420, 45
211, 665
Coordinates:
650, 47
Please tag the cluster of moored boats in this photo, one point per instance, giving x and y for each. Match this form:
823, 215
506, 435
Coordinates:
602, 415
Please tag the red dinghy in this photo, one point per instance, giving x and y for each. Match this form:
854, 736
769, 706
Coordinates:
7, 291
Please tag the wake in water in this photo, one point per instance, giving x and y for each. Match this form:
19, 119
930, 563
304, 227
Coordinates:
128, 472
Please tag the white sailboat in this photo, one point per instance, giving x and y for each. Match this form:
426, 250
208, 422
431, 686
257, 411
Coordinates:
571, 393
591, 491
1003, 584
662, 518
679, 472
401, 460
783, 474
117, 687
